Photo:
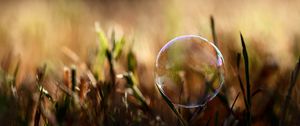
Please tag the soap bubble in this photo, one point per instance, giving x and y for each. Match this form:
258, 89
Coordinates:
189, 71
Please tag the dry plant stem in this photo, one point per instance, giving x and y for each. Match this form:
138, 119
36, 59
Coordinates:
40, 77
67, 78
83, 89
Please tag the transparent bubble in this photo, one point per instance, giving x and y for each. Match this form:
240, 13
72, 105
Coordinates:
189, 71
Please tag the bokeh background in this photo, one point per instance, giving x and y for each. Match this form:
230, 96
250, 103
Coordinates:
38, 32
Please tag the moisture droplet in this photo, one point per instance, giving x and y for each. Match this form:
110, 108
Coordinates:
189, 71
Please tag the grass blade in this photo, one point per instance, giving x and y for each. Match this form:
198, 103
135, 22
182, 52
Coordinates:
171, 105
248, 91
111, 68
131, 80
240, 80
213, 30
131, 62
237, 96
103, 47
16, 72
256, 92
293, 81
73, 78
118, 48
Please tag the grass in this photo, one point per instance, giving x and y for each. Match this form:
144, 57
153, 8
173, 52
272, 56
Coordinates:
286, 102
248, 87
100, 95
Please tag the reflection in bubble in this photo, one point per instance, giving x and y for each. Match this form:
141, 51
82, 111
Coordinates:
189, 71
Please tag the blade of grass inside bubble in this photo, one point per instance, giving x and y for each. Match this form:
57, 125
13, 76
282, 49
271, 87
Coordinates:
200, 101
222, 97
293, 81
195, 113
248, 91
171, 105
212, 25
209, 87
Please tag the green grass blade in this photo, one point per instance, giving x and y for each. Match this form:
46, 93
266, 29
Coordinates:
118, 48
131, 62
103, 47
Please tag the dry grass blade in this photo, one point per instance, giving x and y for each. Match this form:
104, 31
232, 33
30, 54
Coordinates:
39, 80
237, 96
293, 81
256, 92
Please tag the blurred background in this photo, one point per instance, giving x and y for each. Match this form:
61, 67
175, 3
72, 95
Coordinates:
40, 28
38, 32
